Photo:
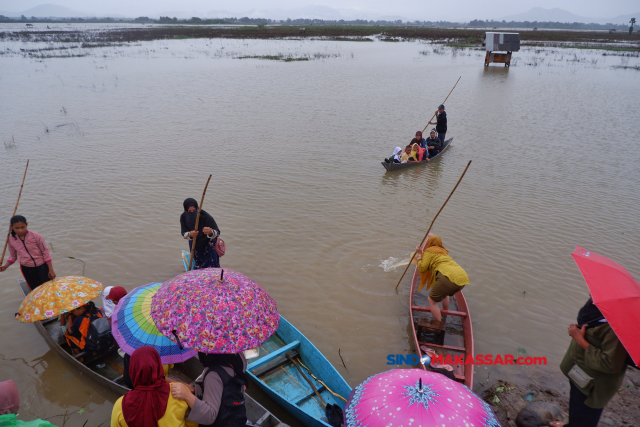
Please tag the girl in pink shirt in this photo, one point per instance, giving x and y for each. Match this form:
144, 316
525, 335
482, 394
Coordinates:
31, 250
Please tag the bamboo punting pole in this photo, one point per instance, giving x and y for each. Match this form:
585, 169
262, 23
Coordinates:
434, 220
445, 100
193, 241
6, 242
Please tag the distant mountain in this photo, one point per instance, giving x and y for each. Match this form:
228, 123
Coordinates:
560, 15
53, 11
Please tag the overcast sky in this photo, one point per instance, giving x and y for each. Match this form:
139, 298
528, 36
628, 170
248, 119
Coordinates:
457, 10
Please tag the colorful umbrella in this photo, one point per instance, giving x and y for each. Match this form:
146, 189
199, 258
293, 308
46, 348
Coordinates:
214, 311
616, 293
414, 397
132, 326
58, 296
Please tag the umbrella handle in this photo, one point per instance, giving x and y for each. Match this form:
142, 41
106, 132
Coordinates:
177, 339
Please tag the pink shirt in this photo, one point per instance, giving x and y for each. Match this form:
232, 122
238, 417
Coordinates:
31, 252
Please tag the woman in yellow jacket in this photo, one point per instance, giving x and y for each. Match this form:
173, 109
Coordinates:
446, 277
150, 403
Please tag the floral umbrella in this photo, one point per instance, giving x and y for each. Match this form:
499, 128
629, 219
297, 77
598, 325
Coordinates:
214, 311
405, 397
58, 296
132, 326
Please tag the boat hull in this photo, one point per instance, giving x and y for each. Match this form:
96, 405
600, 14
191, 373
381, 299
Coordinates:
284, 384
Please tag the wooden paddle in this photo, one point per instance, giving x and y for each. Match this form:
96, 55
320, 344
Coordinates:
445, 100
6, 242
434, 220
193, 241
315, 390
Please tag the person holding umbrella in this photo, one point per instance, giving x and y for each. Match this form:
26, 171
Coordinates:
595, 364
604, 338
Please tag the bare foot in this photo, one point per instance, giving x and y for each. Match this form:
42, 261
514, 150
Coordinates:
556, 424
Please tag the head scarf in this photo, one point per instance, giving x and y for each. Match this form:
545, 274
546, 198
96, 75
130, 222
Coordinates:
590, 315
117, 293
147, 402
206, 220
107, 304
434, 244
396, 153
234, 360
9, 398
418, 133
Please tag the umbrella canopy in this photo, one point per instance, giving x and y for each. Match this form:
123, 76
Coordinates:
414, 397
207, 314
58, 296
132, 326
616, 293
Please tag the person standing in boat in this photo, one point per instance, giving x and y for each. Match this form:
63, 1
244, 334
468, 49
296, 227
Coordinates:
441, 123
30, 249
446, 277
205, 236
433, 143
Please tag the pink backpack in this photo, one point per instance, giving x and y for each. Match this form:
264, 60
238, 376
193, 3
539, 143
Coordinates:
220, 247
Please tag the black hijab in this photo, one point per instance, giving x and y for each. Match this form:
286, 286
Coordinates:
590, 315
188, 222
211, 360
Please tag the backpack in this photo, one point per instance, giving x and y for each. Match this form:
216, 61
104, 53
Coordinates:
232, 412
99, 336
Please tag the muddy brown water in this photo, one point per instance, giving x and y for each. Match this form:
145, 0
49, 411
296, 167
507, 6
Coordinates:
119, 137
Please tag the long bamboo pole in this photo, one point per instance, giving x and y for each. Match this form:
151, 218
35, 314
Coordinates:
445, 100
6, 242
434, 220
193, 241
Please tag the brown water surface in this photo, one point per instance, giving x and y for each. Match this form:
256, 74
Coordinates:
118, 138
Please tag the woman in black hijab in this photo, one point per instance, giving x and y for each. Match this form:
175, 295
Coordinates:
205, 236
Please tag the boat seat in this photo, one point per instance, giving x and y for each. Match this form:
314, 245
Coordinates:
443, 312
309, 395
442, 346
266, 369
273, 355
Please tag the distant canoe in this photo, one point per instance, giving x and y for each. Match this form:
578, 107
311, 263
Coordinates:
276, 373
395, 166
107, 369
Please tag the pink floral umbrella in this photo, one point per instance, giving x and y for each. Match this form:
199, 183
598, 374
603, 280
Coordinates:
214, 311
414, 397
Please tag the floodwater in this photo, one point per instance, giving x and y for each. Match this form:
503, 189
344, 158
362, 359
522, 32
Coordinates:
119, 137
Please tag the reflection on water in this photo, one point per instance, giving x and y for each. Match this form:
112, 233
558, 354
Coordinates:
118, 139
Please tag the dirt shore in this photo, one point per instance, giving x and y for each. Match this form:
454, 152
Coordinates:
507, 400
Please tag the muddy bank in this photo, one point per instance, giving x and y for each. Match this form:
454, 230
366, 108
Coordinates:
507, 399
467, 37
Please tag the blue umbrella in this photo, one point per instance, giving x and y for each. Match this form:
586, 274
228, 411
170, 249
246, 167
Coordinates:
133, 327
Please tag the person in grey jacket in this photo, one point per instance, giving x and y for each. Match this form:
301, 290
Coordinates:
433, 143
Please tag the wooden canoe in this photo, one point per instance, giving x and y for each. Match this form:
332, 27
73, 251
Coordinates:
458, 333
274, 370
395, 166
107, 370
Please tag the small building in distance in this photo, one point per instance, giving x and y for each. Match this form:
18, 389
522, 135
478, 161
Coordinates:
499, 47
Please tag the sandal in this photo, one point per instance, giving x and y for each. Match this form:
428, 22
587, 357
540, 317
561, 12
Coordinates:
556, 424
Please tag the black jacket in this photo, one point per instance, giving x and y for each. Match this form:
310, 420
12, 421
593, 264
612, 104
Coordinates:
435, 143
441, 127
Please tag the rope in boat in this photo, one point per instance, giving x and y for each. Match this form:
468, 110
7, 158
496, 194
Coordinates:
315, 378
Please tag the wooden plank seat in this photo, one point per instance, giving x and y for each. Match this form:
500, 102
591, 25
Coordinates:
443, 312
274, 364
445, 347
274, 355
309, 395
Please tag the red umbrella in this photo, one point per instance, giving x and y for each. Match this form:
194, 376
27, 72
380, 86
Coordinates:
616, 293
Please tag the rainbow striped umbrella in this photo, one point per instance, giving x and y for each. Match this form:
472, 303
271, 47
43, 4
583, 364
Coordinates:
133, 327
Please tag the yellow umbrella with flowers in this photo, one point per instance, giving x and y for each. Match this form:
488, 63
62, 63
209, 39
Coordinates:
58, 296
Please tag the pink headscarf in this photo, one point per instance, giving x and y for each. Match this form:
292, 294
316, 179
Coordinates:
9, 398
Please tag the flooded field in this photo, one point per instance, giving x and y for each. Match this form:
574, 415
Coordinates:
293, 132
